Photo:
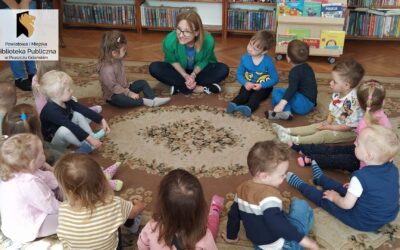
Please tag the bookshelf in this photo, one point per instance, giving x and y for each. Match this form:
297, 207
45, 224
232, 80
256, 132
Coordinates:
313, 27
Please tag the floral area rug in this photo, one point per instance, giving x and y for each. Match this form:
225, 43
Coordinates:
194, 133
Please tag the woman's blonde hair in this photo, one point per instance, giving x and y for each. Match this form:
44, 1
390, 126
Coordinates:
112, 40
82, 181
43, 67
16, 154
370, 95
54, 83
195, 24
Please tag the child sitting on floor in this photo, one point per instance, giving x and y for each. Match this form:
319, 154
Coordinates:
256, 73
92, 215
371, 199
28, 204
180, 216
301, 95
8, 99
63, 119
116, 89
344, 111
258, 203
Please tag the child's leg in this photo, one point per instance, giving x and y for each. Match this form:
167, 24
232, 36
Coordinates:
64, 137
81, 121
257, 97
167, 74
142, 85
49, 226
123, 101
242, 97
326, 136
216, 207
277, 95
299, 104
111, 170
304, 130
327, 183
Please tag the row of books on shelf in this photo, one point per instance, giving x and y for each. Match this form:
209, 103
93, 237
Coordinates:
242, 19
373, 25
310, 8
161, 16
99, 14
247, 1
368, 3
329, 39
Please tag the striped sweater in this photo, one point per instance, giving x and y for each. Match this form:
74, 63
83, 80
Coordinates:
78, 229
259, 207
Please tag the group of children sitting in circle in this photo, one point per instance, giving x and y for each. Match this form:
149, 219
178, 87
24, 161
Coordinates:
75, 197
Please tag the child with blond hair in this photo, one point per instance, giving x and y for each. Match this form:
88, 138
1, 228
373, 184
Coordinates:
63, 119
259, 204
116, 89
256, 74
371, 199
28, 205
8, 99
82, 222
344, 111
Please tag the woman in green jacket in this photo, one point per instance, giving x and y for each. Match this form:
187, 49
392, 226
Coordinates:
189, 64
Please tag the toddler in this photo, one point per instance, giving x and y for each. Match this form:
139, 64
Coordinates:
301, 95
116, 89
63, 119
28, 205
180, 216
344, 111
256, 73
371, 199
8, 99
258, 203
91, 216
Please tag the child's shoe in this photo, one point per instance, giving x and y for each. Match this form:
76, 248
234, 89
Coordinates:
231, 107
99, 134
85, 148
96, 108
285, 115
116, 185
136, 224
158, 101
111, 170
245, 110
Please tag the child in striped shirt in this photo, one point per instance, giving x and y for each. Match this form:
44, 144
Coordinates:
82, 223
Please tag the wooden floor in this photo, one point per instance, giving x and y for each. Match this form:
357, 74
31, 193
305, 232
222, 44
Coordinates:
378, 57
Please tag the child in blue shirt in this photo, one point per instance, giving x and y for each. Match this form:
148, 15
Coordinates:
256, 73
371, 199
301, 95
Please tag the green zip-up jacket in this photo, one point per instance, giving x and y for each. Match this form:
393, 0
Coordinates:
176, 52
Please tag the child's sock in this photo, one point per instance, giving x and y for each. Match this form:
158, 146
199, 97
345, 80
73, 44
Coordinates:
136, 224
286, 138
285, 115
85, 148
148, 102
96, 108
116, 185
158, 101
294, 180
216, 207
316, 171
99, 134
280, 129
111, 170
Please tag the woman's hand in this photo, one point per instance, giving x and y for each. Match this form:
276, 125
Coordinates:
190, 81
105, 126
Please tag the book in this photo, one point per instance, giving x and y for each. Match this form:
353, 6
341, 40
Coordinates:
332, 39
332, 10
313, 43
284, 39
290, 7
299, 33
312, 9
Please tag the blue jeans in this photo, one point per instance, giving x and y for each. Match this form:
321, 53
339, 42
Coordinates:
167, 74
301, 216
299, 104
20, 68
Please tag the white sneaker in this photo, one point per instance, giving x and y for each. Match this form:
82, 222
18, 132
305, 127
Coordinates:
158, 101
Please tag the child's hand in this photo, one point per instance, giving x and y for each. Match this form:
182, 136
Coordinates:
223, 235
280, 106
93, 141
105, 126
331, 195
346, 185
248, 86
47, 167
137, 208
256, 87
134, 96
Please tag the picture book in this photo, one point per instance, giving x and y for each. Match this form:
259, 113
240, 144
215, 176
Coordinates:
332, 39
300, 33
283, 39
312, 9
290, 7
332, 10
313, 43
